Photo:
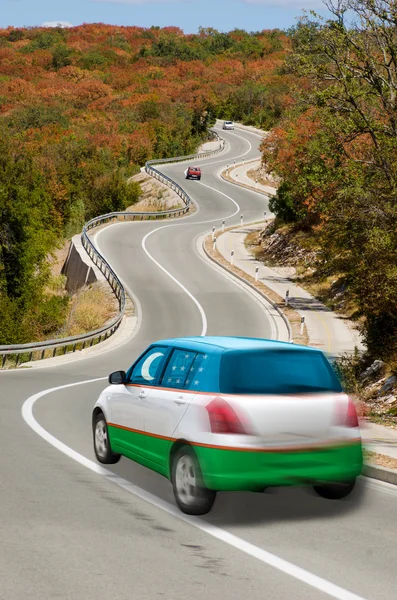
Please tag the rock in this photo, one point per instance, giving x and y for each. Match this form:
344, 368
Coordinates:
375, 368
390, 400
388, 385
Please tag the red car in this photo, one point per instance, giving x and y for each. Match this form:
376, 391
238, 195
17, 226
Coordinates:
193, 173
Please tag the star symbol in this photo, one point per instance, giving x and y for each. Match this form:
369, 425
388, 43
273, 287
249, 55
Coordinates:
196, 382
201, 369
186, 356
205, 356
178, 381
174, 368
187, 381
170, 379
182, 368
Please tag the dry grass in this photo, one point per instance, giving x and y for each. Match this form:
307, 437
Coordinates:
90, 308
255, 175
156, 196
292, 316
381, 460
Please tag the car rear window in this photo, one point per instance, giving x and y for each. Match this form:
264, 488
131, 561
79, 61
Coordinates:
195, 169
276, 372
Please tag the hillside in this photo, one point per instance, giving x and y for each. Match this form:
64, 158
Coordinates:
82, 109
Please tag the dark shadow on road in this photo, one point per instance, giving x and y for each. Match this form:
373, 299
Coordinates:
277, 505
284, 504
308, 304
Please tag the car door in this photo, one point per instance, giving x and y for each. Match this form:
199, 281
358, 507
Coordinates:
169, 400
129, 401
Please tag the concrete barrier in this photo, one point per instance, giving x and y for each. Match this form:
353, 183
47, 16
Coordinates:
78, 268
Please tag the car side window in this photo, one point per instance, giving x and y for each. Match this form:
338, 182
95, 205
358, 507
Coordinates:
184, 370
197, 372
177, 372
149, 366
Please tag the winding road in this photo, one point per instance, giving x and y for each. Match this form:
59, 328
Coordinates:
74, 530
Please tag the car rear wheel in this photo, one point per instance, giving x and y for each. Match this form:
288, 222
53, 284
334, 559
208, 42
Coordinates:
335, 491
191, 495
102, 448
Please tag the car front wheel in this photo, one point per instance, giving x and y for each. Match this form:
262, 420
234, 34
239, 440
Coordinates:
191, 495
102, 448
335, 491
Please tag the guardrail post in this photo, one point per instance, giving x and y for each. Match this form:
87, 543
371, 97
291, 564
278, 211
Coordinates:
232, 257
54, 352
3, 362
302, 324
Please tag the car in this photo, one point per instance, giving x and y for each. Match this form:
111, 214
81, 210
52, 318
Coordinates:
217, 413
228, 125
193, 173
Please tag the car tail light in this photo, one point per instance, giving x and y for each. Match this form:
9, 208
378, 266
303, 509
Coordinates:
347, 418
223, 419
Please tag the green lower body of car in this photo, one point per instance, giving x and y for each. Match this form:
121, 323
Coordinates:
197, 472
233, 470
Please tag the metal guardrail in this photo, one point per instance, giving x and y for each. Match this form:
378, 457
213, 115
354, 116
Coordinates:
37, 350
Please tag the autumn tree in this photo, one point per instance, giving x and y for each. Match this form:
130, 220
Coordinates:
342, 175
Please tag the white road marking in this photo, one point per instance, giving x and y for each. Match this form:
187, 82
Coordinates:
267, 558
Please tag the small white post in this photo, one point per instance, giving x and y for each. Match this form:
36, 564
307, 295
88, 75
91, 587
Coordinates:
242, 220
264, 215
302, 324
232, 257
256, 273
213, 232
214, 246
256, 184
223, 225
287, 297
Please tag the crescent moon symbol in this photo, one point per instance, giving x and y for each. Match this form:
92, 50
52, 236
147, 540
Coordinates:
147, 364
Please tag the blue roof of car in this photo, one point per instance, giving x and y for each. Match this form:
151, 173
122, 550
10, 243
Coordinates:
235, 343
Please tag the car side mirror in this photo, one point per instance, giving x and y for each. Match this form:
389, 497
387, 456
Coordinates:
117, 378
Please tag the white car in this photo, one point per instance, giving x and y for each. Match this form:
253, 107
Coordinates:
229, 413
228, 125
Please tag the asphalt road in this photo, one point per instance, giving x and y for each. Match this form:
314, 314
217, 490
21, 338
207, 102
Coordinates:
73, 530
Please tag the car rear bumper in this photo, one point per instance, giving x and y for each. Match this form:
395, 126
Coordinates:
235, 470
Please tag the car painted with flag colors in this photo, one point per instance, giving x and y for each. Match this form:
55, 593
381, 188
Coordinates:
228, 413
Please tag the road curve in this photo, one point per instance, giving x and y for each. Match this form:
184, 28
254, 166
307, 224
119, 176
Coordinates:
71, 529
